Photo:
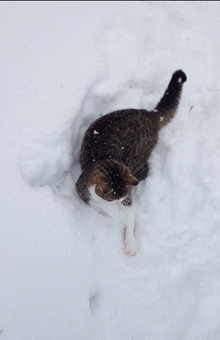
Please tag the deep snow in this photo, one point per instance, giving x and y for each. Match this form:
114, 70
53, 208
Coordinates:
64, 274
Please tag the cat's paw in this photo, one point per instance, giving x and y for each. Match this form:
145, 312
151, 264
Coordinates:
132, 248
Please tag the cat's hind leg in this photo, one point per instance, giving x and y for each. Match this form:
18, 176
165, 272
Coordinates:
131, 245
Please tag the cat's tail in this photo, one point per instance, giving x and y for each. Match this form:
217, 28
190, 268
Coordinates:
168, 105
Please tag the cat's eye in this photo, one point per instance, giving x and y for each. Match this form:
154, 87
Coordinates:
105, 191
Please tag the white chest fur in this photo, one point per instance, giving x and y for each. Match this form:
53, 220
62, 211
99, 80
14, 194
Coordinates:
131, 246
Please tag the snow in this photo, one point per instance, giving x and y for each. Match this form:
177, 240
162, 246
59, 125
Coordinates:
64, 274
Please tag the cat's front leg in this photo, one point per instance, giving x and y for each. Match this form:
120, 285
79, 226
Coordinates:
82, 189
131, 245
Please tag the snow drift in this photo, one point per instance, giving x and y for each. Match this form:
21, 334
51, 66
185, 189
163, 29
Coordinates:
64, 273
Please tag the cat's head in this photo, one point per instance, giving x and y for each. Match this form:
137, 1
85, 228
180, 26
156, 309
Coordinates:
111, 181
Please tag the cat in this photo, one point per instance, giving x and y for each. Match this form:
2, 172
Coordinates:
116, 149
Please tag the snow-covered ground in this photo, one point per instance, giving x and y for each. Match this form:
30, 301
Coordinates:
63, 272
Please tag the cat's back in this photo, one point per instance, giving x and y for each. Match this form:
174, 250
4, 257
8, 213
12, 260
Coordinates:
124, 135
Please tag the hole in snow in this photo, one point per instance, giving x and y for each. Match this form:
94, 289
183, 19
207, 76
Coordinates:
95, 302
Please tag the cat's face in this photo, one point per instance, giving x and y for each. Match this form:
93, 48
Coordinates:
112, 181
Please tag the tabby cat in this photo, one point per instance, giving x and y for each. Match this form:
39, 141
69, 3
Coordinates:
116, 149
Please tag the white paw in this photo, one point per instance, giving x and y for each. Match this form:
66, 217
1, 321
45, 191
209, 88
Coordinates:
132, 248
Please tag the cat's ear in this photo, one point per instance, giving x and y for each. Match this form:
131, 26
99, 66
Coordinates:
131, 180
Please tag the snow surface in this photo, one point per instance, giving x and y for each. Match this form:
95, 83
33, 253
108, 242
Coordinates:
64, 274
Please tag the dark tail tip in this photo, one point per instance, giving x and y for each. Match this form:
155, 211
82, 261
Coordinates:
179, 77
